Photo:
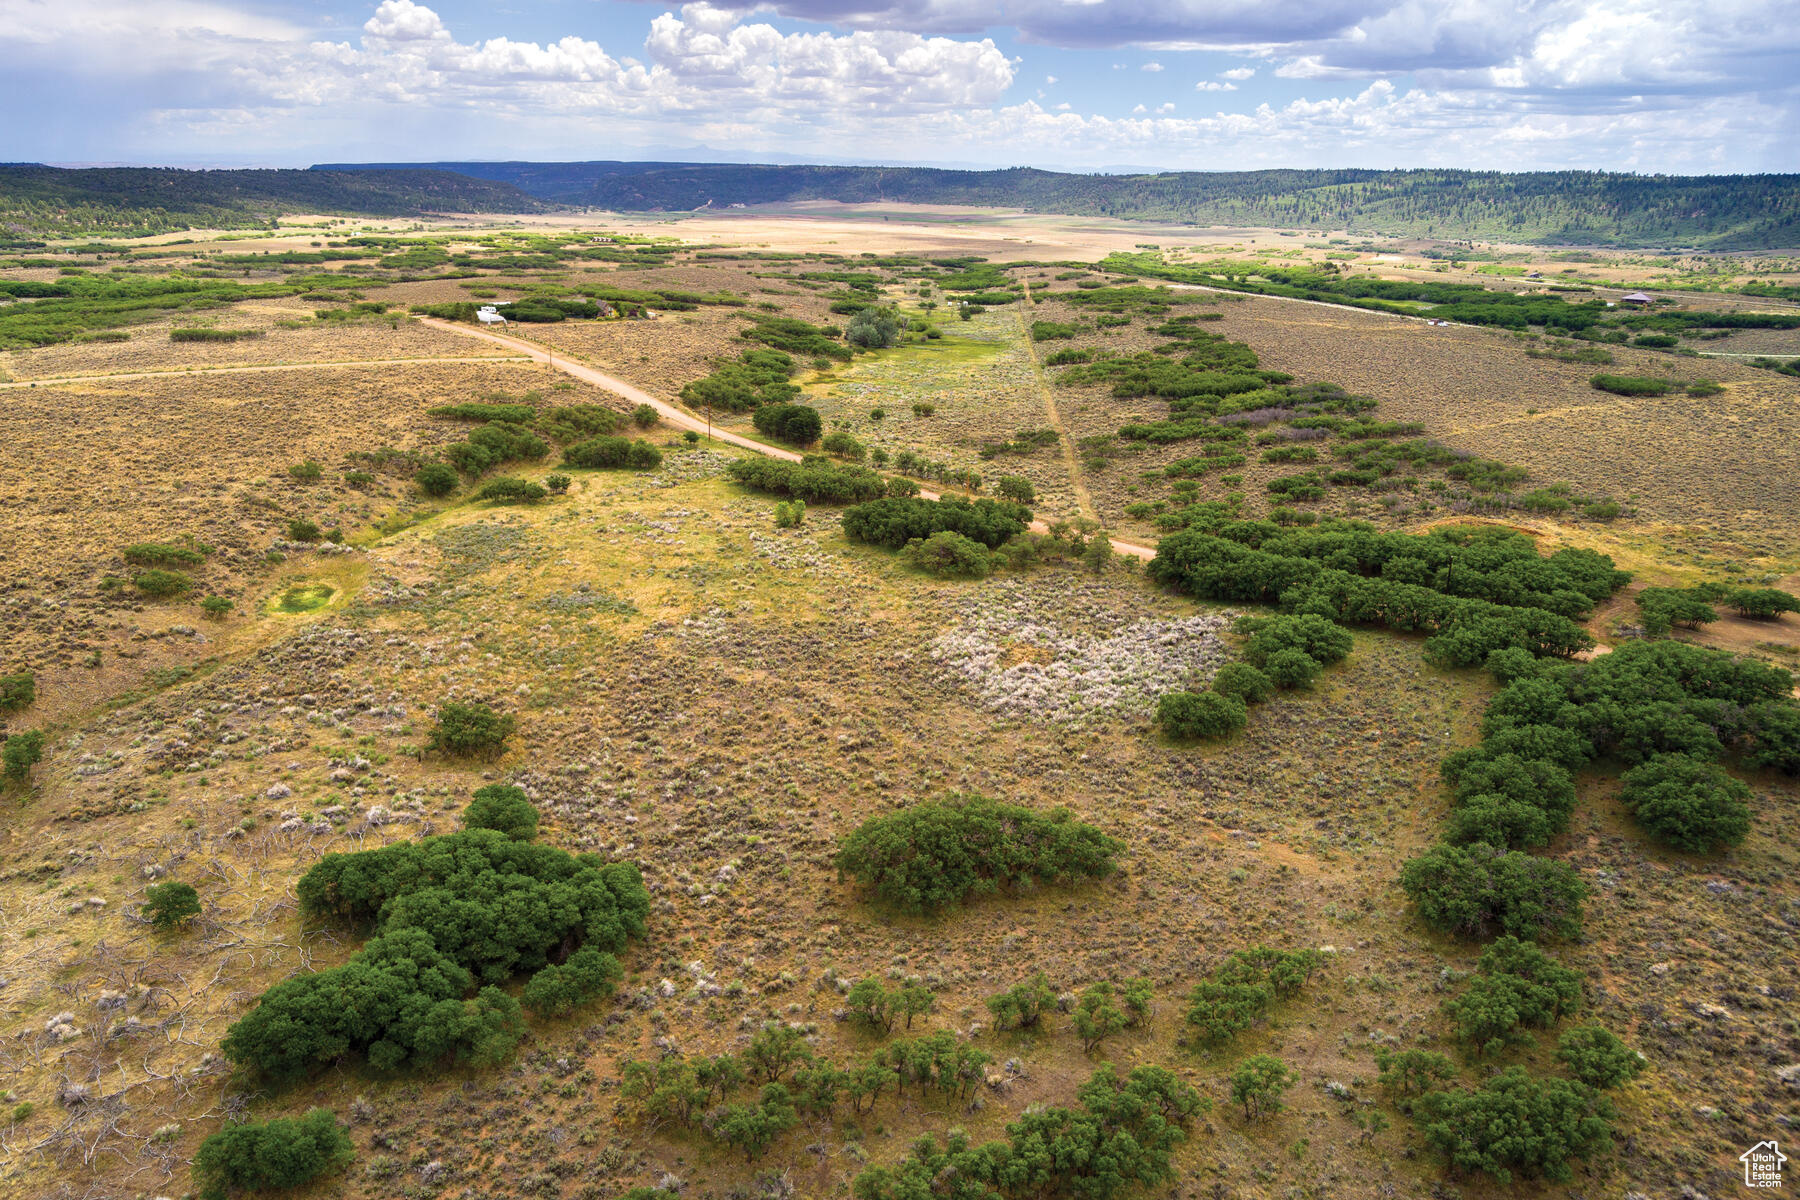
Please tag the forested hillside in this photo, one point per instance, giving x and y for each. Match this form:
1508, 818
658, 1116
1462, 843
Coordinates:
39, 200
1575, 207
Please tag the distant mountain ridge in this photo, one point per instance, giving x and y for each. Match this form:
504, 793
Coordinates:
55, 201
1713, 212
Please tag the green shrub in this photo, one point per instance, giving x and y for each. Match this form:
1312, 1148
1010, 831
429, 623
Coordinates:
557, 485
158, 554
1244, 681
509, 489
1478, 890
844, 446
1201, 714
1322, 639
1764, 604
923, 409
162, 585
1516, 984
924, 858
470, 731
283, 1153
17, 691
561, 988
949, 555
1518, 1123
1412, 1072
203, 334
795, 424
448, 915
1022, 1006
1244, 986
19, 753
1016, 488
1123, 1135
816, 480
1631, 385
300, 529
895, 521
602, 452
644, 416
1686, 803
1259, 1083
876, 1007
170, 905
790, 514
1292, 668
215, 607
503, 808
873, 329
437, 479
1596, 1057
1050, 331
306, 472
1701, 389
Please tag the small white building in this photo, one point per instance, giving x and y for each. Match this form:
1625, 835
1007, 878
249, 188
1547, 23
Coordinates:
487, 314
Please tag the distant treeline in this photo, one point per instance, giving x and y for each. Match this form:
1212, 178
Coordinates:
145, 200
1716, 212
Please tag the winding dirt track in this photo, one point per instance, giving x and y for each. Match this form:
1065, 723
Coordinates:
681, 418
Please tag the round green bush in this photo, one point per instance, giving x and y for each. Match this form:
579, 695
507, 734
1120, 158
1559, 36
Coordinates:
171, 905
1292, 668
1243, 681
948, 554
437, 479
1595, 1056
1686, 803
644, 416
301, 529
283, 1153
1201, 714
795, 424
509, 489
502, 807
161, 585
470, 731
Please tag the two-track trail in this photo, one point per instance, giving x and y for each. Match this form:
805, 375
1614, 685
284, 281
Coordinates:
681, 418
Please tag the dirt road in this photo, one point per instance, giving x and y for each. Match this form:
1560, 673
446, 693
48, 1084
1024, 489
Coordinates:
681, 418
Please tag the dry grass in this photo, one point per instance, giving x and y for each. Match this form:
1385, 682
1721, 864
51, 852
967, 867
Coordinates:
718, 701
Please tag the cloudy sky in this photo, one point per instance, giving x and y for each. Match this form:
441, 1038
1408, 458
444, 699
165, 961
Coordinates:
1641, 85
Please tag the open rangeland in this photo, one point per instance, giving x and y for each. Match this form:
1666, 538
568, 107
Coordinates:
720, 699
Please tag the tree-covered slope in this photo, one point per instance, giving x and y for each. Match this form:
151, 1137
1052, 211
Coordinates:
38, 200
1577, 207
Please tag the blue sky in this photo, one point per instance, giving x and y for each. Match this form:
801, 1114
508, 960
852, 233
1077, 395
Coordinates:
1642, 85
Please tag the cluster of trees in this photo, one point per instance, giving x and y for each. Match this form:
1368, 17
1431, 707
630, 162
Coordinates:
929, 856
1121, 1136
795, 424
895, 521
447, 915
1102, 1009
287, 1152
1244, 987
613, 451
755, 378
950, 555
873, 328
791, 1082
791, 335
1557, 207
1516, 984
816, 479
1662, 607
1477, 591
